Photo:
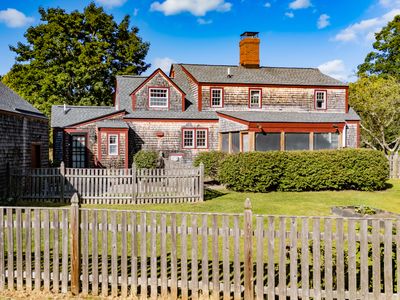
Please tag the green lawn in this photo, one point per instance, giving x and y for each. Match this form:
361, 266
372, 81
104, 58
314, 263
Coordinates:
281, 203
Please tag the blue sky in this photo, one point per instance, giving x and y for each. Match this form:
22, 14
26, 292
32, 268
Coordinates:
332, 35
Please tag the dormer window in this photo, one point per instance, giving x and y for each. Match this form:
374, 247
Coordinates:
216, 97
255, 98
320, 99
158, 97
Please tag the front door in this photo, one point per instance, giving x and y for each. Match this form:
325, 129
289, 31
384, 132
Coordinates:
79, 151
35, 156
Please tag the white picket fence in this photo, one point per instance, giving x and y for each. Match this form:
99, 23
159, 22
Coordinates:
110, 186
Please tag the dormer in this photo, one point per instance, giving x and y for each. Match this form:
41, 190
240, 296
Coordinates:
159, 93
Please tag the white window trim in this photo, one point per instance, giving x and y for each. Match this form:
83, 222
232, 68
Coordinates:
259, 98
159, 106
325, 100
193, 139
221, 99
116, 144
205, 138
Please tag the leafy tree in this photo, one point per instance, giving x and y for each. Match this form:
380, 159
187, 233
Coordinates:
385, 60
73, 58
377, 100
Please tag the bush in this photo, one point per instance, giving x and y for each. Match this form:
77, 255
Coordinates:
356, 169
212, 161
146, 159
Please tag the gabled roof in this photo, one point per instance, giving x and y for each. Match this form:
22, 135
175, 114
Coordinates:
74, 115
11, 102
112, 124
126, 84
290, 117
263, 75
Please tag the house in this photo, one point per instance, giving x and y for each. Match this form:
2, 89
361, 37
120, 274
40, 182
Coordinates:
196, 108
25, 135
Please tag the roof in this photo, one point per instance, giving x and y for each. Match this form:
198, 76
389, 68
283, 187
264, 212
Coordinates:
11, 102
126, 84
262, 75
78, 114
111, 124
181, 115
291, 117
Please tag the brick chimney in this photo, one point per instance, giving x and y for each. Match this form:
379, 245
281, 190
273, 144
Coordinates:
249, 50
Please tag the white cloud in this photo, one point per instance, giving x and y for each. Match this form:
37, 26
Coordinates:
14, 18
267, 5
164, 63
389, 3
289, 14
323, 21
202, 21
366, 29
135, 12
334, 68
300, 4
111, 3
196, 7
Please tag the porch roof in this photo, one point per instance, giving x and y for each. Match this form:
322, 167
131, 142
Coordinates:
112, 124
290, 117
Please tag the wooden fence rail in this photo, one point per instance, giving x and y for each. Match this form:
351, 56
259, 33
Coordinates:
197, 255
111, 186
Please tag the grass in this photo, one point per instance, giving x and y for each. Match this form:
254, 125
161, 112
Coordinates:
280, 203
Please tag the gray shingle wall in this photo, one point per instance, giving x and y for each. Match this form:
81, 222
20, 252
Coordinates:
142, 95
277, 99
230, 126
144, 136
18, 134
351, 136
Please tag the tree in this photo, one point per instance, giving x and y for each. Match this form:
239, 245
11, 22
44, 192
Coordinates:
377, 100
73, 58
386, 59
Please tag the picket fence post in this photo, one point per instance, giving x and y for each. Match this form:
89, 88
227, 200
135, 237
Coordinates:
62, 181
75, 247
248, 251
201, 179
134, 183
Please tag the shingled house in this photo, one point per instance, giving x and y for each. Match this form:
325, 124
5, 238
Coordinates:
196, 108
24, 135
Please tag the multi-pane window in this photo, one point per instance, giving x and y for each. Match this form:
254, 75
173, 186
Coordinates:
297, 141
201, 138
320, 99
255, 99
268, 141
194, 138
113, 144
158, 97
327, 140
216, 97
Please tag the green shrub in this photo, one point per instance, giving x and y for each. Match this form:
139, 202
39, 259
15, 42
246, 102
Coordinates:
212, 161
355, 169
146, 159
252, 171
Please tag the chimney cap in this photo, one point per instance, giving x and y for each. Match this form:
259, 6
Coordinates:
249, 34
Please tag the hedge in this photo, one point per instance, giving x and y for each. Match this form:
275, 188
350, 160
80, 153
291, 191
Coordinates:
211, 161
146, 159
355, 169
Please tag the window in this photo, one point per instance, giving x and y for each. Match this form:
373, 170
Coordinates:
268, 141
113, 144
216, 97
297, 141
158, 97
195, 138
225, 142
235, 138
245, 142
326, 141
255, 99
201, 138
320, 99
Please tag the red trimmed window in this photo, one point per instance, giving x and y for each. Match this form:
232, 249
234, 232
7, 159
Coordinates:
113, 144
255, 99
158, 97
194, 138
216, 95
320, 99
